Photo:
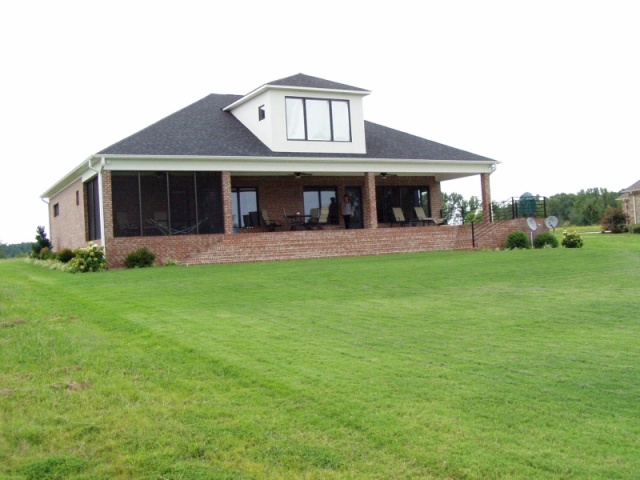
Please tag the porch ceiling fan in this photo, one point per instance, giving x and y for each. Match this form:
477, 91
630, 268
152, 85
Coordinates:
301, 174
384, 175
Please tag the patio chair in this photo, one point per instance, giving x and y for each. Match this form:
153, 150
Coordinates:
422, 217
323, 218
314, 216
399, 217
270, 224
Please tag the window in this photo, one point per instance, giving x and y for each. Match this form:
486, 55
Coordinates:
261, 113
318, 119
92, 189
317, 197
166, 203
56, 210
406, 198
245, 207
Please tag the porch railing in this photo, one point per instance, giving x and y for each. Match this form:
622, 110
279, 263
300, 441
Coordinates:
522, 207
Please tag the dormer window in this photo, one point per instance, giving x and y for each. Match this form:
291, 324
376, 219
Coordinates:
318, 119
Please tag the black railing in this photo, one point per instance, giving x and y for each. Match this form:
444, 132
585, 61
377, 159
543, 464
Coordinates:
523, 207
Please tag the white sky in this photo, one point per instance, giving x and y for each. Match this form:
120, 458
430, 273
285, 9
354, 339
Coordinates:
549, 88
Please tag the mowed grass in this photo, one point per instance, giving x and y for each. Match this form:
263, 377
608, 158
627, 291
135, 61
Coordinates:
475, 365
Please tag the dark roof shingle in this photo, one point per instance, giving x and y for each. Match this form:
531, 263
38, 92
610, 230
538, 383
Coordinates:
307, 81
204, 129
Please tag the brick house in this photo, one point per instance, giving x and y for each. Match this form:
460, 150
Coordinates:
193, 186
630, 199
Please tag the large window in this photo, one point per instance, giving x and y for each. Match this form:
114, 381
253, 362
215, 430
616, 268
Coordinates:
166, 203
93, 209
244, 202
318, 119
388, 197
316, 197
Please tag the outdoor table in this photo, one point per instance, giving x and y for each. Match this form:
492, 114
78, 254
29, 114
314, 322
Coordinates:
297, 220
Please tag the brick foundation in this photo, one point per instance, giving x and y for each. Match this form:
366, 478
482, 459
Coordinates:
289, 245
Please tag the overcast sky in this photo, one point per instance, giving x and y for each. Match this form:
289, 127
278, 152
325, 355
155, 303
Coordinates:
551, 89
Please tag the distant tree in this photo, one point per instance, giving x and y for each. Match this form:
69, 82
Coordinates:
449, 209
18, 249
3, 250
457, 210
582, 208
591, 212
561, 206
41, 242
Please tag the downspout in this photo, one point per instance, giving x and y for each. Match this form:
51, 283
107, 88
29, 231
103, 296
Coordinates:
100, 201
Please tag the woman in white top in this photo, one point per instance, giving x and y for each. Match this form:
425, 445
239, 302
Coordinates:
346, 211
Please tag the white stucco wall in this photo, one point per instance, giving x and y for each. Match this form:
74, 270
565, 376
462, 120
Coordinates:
272, 131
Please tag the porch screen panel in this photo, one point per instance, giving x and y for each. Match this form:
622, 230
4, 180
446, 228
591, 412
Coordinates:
209, 193
340, 121
388, 197
125, 194
295, 119
155, 203
318, 120
182, 200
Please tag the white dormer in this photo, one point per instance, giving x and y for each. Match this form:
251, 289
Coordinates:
305, 114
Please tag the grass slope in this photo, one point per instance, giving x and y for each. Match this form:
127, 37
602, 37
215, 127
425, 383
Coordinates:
509, 364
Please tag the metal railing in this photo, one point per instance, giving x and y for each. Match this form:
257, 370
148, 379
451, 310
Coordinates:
523, 207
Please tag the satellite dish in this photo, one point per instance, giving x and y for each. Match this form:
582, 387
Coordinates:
532, 224
551, 222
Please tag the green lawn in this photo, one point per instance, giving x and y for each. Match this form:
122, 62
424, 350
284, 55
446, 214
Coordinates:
476, 365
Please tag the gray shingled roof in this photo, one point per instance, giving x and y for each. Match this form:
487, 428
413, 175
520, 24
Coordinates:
307, 81
633, 188
203, 129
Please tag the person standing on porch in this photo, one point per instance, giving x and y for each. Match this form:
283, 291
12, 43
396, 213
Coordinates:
347, 210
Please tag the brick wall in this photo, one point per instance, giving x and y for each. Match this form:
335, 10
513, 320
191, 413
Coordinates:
289, 245
67, 229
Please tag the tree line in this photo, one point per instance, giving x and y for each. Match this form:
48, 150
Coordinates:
586, 207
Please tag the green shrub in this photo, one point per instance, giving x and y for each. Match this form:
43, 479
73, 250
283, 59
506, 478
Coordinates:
88, 259
614, 220
634, 228
46, 254
571, 239
546, 239
65, 255
517, 240
140, 258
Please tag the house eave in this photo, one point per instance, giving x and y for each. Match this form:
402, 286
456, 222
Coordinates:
445, 169
83, 171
